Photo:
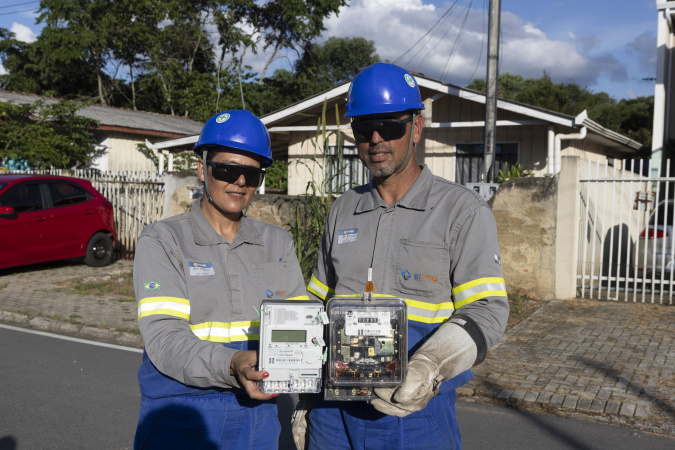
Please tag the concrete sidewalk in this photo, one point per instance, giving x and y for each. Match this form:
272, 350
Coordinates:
601, 361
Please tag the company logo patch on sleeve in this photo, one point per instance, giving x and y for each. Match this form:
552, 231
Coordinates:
198, 269
498, 260
151, 286
349, 235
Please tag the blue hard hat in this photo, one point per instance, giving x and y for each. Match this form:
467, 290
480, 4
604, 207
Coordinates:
383, 88
238, 129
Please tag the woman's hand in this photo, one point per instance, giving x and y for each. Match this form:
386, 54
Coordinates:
242, 366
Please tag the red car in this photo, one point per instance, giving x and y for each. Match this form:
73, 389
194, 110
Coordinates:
45, 218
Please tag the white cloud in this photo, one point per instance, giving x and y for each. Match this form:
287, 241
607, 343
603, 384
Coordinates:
23, 33
2, 70
527, 48
395, 25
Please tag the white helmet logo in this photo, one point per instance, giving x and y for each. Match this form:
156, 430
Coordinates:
410, 80
222, 118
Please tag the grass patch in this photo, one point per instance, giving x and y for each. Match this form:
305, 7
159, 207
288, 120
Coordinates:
3, 285
126, 330
118, 285
74, 316
523, 304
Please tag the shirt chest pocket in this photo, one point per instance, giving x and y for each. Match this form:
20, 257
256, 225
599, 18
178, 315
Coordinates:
422, 267
271, 280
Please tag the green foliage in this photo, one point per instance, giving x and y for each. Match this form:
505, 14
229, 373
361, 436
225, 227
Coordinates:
156, 55
276, 176
319, 68
632, 118
517, 300
311, 209
46, 135
513, 171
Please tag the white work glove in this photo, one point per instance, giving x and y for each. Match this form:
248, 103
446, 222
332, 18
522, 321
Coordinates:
447, 353
299, 424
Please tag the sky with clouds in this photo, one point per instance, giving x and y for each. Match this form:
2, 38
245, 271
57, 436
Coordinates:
605, 46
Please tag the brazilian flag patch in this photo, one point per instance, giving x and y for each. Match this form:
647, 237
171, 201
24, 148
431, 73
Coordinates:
151, 286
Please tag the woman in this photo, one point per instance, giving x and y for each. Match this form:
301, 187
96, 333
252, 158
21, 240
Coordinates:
199, 279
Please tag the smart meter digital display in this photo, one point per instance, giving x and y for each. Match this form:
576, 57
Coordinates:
289, 335
291, 346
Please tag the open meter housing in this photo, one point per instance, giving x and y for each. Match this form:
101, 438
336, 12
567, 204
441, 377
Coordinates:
291, 346
367, 346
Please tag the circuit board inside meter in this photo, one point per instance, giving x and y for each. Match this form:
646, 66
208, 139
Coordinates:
291, 346
368, 346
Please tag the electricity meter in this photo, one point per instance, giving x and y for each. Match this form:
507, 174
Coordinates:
291, 346
367, 346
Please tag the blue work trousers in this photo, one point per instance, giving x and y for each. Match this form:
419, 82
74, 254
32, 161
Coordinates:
215, 421
357, 425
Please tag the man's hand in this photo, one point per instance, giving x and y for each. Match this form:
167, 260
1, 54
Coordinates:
420, 386
242, 366
448, 352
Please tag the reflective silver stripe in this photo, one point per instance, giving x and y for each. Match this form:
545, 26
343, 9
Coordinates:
477, 289
318, 288
170, 306
429, 316
227, 332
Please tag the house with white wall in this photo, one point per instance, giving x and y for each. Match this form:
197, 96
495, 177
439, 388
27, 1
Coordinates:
452, 142
120, 131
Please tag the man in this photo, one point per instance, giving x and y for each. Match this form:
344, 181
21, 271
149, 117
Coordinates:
427, 240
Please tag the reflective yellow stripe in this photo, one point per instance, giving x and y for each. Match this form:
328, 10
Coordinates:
319, 289
419, 311
227, 332
476, 282
477, 289
168, 306
299, 297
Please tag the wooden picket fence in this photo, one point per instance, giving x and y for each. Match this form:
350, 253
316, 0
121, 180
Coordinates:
137, 198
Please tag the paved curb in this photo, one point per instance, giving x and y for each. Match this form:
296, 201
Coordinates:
555, 401
72, 329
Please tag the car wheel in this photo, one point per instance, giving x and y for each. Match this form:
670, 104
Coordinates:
99, 251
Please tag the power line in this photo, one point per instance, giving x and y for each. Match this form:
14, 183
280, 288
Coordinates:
20, 11
19, 4
429, 31
459, 37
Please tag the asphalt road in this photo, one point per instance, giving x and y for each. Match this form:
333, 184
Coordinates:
65, 393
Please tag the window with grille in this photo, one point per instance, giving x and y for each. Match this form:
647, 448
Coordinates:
344, 173
469, 161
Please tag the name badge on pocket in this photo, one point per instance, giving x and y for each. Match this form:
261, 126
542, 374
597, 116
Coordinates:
198, 269
348, 235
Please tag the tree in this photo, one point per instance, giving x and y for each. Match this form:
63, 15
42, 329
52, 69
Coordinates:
632, 118
319, 68
287, 23
46, 135
31, 68
167, 56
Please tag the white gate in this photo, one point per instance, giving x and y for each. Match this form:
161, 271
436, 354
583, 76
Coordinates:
626, 242
137, 198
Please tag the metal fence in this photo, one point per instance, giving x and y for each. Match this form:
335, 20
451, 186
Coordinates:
626, 243
137, 198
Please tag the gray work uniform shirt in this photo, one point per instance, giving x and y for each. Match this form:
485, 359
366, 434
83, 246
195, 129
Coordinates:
436, 247
199, 295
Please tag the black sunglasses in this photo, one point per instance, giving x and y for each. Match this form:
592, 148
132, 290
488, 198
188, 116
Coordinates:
230, 172
388, 129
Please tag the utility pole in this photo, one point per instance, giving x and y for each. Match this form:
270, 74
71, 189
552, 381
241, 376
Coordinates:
491, 90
